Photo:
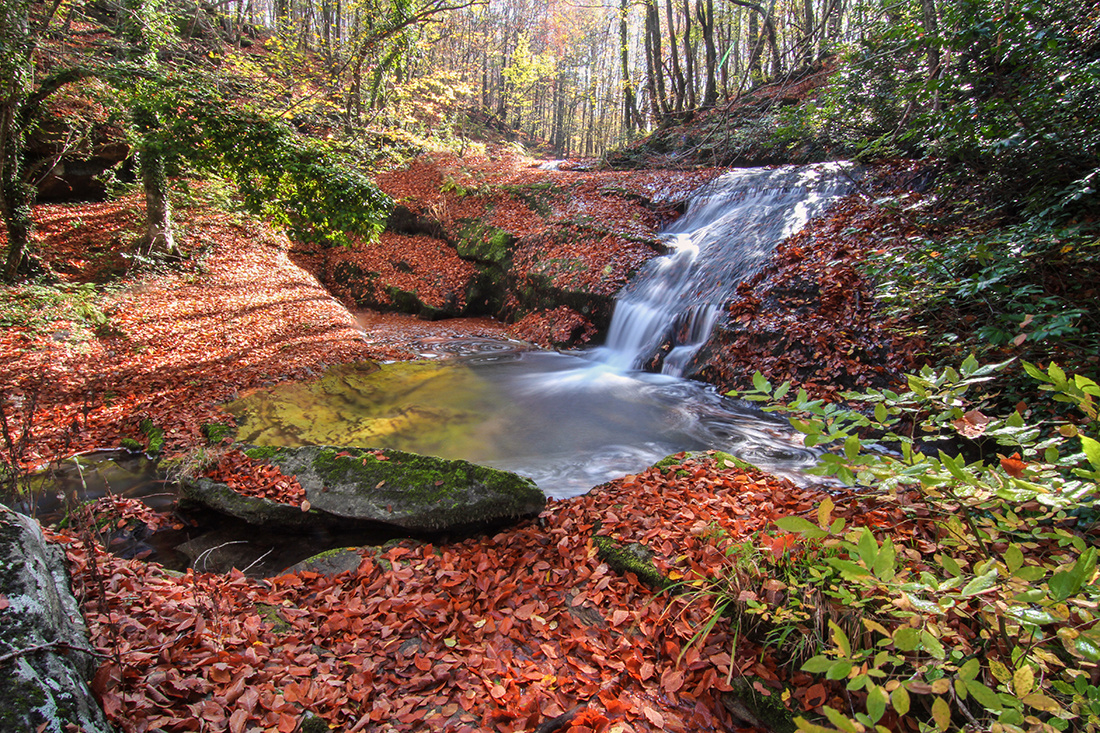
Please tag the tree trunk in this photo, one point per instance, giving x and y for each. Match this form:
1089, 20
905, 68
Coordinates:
930, 21
810, 35
756, 51
16, 81
655, 63
630, 105
678, 84
158, 239
706, 23
689, 58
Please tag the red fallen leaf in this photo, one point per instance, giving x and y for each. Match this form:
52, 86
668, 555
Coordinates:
972, 424
815, 697
672, 680
1013, 466
653, 716
4, 602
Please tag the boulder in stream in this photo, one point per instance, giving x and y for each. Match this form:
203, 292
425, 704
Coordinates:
346, 486
44, 669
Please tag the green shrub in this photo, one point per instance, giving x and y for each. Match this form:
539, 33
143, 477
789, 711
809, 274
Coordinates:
982, 613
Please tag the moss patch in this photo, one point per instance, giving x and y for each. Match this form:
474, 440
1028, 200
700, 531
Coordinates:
270, 616
484, 243
154, 437
632, 558
216, 432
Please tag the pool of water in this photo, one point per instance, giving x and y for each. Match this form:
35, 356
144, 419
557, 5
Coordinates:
565, 420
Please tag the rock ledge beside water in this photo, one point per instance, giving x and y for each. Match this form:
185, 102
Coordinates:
347, 486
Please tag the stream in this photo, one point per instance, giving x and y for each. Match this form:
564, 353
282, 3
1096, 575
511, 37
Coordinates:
568, 420
573, 420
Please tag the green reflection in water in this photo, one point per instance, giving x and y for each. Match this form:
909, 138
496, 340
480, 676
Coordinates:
422, 406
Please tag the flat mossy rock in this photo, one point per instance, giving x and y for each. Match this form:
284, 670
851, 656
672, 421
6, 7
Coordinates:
346, 486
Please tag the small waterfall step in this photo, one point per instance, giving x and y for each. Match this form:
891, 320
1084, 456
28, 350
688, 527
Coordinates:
729, 232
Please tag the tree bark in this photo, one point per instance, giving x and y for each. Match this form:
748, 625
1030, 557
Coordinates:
16, 82
630, 106
159, 238
658, 101
678, 84
705, 10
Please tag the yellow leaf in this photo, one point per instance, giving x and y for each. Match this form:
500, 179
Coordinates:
941, 686
1039, 701
1023, 681
999, 671
941, 713
825, 513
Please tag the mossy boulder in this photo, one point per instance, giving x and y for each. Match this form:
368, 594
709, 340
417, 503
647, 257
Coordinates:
347, 486
43, 685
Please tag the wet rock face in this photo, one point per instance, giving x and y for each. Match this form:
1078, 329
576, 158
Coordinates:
45, 686
347, 486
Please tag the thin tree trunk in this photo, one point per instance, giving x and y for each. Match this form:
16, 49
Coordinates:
630, 106
706, 23
689, 58
678, 85
655, 63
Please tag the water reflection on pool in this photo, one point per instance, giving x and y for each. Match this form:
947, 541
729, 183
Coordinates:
566, 421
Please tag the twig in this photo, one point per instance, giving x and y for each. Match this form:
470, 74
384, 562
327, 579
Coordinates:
48, 645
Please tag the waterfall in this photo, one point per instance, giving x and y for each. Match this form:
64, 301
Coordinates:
729, 232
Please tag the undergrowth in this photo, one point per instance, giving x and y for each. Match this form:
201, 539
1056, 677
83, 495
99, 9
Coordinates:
40, 309
980, 610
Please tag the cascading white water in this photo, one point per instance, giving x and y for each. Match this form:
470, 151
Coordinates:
731, 228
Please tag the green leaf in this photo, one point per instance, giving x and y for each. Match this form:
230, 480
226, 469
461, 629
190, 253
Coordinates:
980, 583
852, 446
932, 645
970, 670
848, 569
880, 412
1066, 583
999, 671
808, 727
1033, 616
800, 525
985, 696
876, 703
1014, 558
839, 670
1030, 573
761, 384
868, 547
941, 713
841, 640
885, 566
1087, 648
1023, 681
1034, 372
839, 720
899, 698
817, 665
906, 639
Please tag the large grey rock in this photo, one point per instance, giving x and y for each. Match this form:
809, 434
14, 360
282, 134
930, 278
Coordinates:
355, 485
43, 676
